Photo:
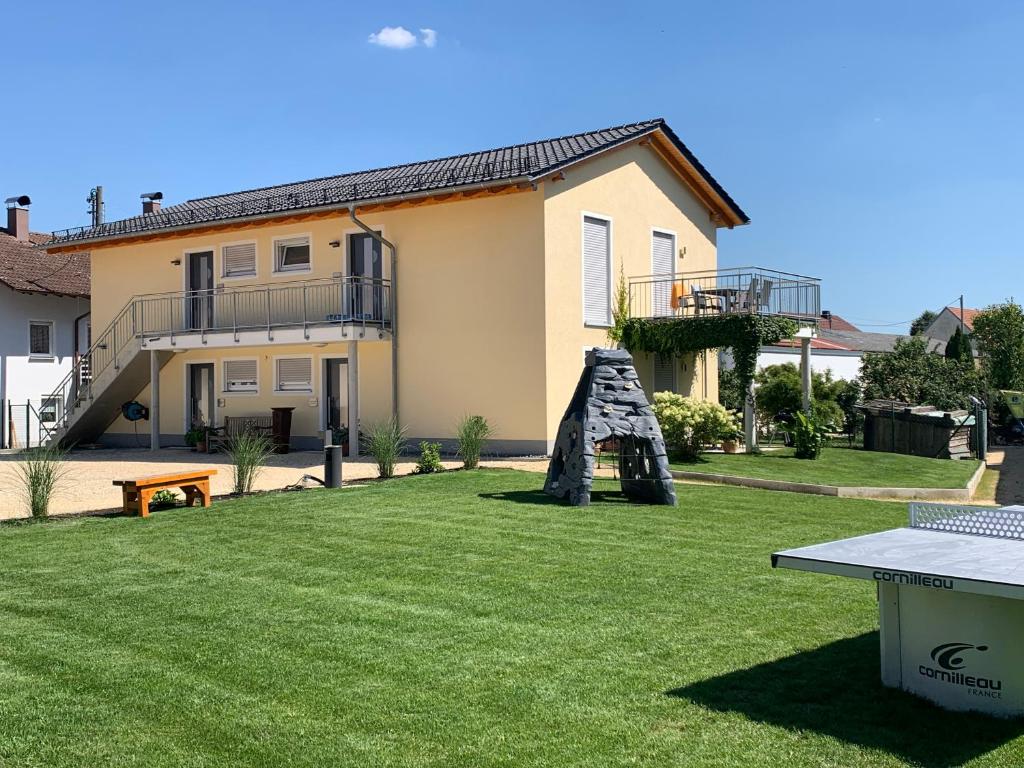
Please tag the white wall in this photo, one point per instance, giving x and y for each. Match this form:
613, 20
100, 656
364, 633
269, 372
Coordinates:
844, 365
22, 378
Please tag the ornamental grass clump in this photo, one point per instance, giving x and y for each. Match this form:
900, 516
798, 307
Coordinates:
690, 425
40, 474
472, 434
385, 441
248, 452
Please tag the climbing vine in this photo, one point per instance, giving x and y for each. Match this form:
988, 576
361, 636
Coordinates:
743, 334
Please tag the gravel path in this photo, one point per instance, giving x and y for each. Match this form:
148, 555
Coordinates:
88, 485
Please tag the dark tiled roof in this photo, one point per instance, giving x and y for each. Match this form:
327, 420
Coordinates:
522, 161
861, 341
30, 270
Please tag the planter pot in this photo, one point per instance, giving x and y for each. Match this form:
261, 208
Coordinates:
729, 446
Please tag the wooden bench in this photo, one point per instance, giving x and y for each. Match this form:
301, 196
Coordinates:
138, 493
235, 426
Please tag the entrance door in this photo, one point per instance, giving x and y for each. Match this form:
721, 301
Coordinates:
335, 393
200, 394
364, 261
200, 290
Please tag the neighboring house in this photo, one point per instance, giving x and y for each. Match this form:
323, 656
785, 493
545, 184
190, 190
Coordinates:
499, 268
44, 320
839, 347
942, 328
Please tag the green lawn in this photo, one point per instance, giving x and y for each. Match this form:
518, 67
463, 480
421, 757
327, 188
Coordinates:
840, 466
462, 619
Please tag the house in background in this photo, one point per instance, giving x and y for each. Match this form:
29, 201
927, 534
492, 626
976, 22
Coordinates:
470, 284
839, 347
44, 324
942, 328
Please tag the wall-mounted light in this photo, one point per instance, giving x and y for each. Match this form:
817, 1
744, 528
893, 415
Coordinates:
335, 243
176, 262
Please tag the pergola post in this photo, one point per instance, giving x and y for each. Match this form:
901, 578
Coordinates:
154, 400
353, 399
805, 335
749, 420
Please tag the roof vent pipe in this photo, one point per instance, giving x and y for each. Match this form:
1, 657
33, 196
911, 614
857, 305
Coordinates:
151, 201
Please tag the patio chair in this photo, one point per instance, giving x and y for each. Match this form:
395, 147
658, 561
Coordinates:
705, 301
758, 293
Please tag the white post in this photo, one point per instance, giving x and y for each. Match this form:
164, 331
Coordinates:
154, 400
353, 399
749, 420
805, 373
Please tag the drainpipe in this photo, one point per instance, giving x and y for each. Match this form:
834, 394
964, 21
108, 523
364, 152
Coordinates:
394, 305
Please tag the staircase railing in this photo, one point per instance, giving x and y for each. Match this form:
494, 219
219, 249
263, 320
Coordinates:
353, 300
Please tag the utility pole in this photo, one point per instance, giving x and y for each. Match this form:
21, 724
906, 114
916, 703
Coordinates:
961, 314
95, 201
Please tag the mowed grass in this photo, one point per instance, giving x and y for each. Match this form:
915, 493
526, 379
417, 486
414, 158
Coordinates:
462, 619
840, 466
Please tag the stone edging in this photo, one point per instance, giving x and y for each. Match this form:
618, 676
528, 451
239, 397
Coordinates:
851, 492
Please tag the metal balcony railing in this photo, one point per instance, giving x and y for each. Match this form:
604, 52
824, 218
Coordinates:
744, 290
359, 301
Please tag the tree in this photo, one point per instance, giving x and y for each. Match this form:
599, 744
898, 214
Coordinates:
999, 332
923, 321
959, 347
780, 395
911, 374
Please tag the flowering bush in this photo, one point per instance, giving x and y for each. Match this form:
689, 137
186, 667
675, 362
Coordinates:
689, 425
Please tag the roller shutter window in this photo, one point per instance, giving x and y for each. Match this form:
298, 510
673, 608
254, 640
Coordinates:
596, 271
295, 374
239, 260
663, 252
664, 373
240, 376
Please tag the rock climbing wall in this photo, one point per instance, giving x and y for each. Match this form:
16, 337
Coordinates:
610, 403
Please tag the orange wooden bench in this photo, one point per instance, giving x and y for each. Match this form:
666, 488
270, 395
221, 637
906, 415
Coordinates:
138, 493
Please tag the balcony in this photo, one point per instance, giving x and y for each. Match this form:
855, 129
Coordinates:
744, 290
286, 312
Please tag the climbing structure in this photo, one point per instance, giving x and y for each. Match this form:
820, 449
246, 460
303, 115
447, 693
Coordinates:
610, 403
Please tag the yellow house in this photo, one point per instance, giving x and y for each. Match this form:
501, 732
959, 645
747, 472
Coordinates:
464, 285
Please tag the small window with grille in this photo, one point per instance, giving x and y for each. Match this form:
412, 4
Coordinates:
40, 338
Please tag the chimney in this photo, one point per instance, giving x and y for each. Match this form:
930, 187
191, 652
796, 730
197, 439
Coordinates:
17, 216
151, 202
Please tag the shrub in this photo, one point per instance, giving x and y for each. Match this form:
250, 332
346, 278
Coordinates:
163, 499
809, 437
385, 441
730, 389
688, 424
248, 452
472, 433
40, 474
430, 459
912, 374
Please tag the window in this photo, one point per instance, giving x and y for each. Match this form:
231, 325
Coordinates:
663, 257
291, 255
664, 373
40, 338
49, 410
239, 260
596, 271
240, 376
294, 374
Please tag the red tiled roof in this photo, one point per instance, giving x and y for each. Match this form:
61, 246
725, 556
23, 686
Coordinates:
969, 315
27, 270
836, 323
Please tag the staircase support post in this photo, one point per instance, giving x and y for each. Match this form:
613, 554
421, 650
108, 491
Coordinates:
154, 400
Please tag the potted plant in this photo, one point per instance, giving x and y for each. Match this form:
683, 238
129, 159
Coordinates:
339, 436
195, 438
730, 440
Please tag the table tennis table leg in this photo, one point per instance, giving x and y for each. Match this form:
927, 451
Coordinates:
889, 634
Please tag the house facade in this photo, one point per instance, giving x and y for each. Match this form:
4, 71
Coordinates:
44, 326
941, 329
466, 285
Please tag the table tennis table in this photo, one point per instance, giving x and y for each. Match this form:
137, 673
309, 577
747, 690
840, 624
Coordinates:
950, 602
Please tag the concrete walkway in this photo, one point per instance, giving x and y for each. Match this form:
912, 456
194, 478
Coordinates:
1008, 461
88, 483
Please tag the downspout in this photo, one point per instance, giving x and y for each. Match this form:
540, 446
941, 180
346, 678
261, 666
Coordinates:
394, 305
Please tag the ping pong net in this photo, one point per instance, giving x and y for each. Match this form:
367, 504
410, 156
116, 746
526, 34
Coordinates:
998, 523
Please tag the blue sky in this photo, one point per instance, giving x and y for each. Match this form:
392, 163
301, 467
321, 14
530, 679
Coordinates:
877, 145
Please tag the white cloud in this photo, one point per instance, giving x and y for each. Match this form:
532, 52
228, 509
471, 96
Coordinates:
394, 37
429, 37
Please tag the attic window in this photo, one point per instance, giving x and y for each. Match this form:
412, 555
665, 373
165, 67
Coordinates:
40, 338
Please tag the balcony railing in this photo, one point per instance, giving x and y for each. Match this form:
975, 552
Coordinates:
351, 301
745, 290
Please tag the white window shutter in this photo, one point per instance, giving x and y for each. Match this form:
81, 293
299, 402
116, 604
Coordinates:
663, 256
240, 375
664, 373
239, 259
596, 272
295, 374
